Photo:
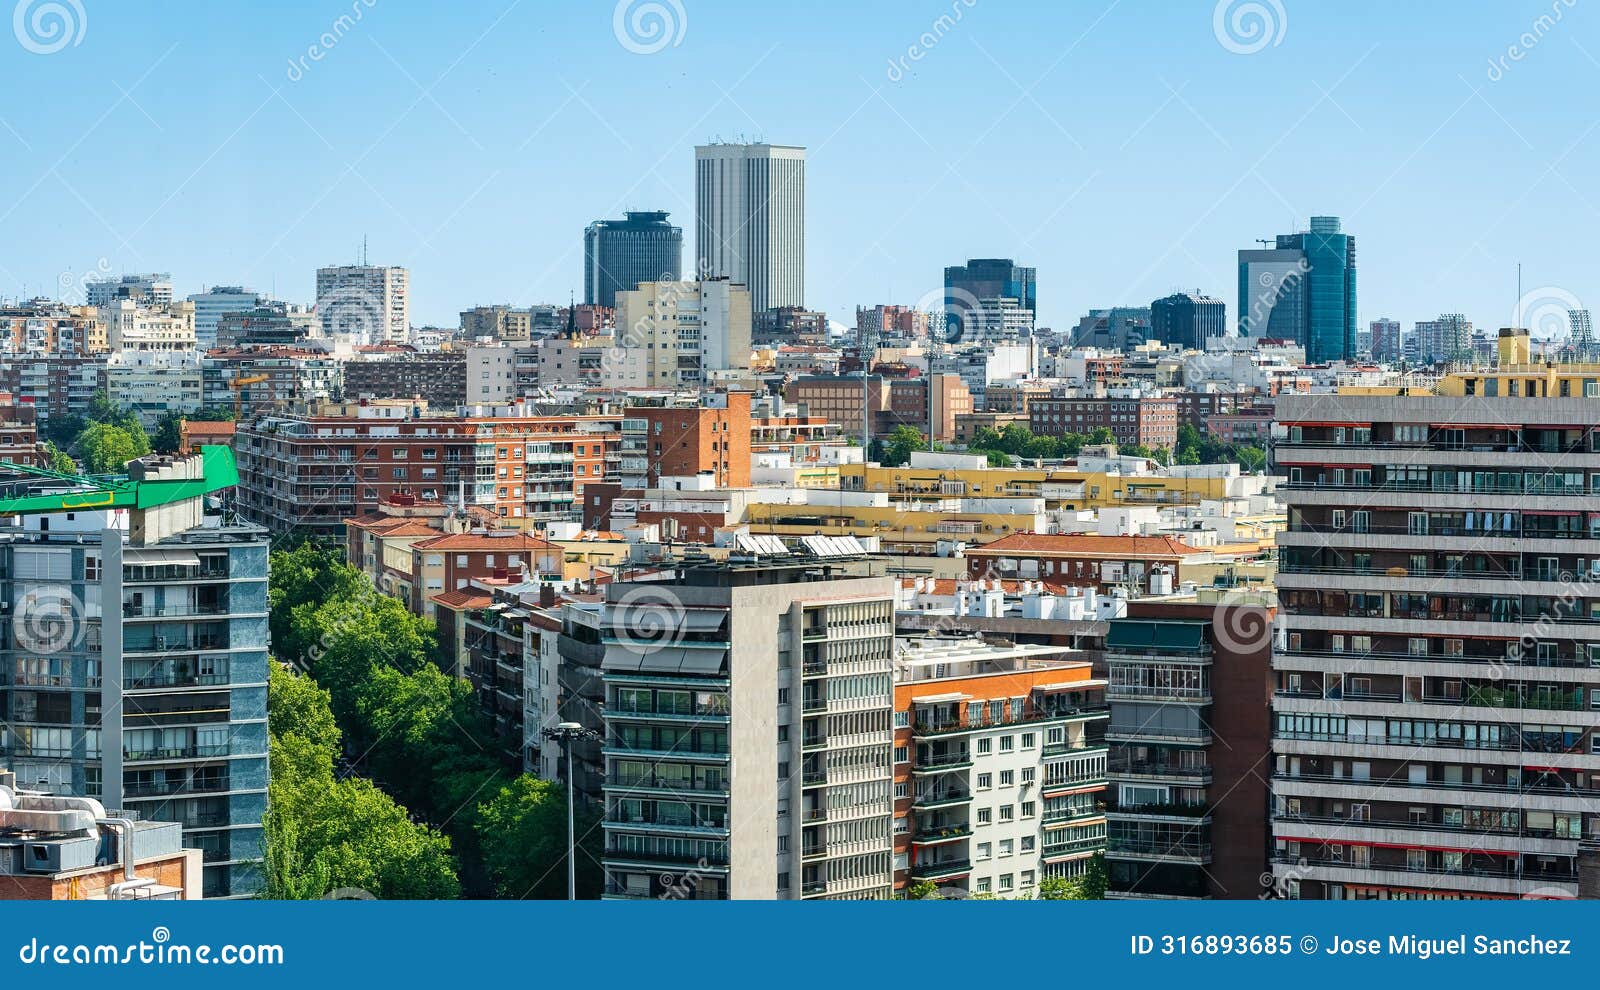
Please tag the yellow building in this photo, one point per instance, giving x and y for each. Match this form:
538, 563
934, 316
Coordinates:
902, 525
1060, 488
1517, 375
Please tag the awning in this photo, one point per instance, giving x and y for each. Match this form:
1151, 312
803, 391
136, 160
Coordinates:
167, 558
934, 699
1141, 634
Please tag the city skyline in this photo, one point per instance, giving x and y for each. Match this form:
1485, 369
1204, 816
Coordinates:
1470, 132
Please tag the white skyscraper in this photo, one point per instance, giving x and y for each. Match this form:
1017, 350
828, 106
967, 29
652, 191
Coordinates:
368, 304
750, 219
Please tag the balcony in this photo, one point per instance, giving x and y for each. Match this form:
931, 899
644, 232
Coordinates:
1195, 774
941, 835
1158, 850
943, 798
942, 762
671, 785
941, 869
1199, 812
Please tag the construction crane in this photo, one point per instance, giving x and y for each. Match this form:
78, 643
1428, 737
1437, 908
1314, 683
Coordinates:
218, 471
238, 384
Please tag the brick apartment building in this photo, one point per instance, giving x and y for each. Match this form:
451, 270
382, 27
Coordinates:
678, 441
1148, 420
439, 378
310, 472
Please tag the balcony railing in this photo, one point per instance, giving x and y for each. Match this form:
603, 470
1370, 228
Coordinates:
1145, 768
1508, 872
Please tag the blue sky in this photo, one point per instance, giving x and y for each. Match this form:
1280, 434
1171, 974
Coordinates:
1122, 148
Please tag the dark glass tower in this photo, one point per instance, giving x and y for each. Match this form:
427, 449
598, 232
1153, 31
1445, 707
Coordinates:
1187, 319
620, 254
987, 278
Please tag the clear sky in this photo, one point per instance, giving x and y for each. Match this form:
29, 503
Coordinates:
1126, 149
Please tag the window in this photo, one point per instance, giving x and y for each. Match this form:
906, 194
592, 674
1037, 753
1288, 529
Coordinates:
1008, 812
985, 851
1027, 809
1030, 740
1028, 775
985, 781
1027, 844
901, 789
1008, 744
985, 747
1006, 847
1005, 881
902, 754
1008, 778
986, 815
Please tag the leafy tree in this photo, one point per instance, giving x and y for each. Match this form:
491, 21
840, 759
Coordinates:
1091, 886
168, 436
56, 459
902, 441
924, 890
523, 834
310, 574
105, 448
323, 832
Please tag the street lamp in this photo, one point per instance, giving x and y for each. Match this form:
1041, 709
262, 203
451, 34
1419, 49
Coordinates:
568, 733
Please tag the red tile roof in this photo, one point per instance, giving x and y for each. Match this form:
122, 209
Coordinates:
1078, 545
463, 599
485, 541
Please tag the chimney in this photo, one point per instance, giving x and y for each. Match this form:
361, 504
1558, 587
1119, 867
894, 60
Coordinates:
547, 595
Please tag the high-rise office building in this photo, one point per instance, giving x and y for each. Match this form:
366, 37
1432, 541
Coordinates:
1383, 343
1434, 726
750, 219
1303, 289
366, 304
1188, 319
136, 665
215, 303
749, 733
986, 278
620, 254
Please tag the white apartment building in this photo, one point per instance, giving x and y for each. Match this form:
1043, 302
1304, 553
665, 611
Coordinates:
368, 304
154, 289
155, 382
217, 302
133, 326
684, 329
750, 219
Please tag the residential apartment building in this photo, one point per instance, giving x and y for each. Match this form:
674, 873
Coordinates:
137, 666
153, 289
748, 745
1151, 421
44, 327
1190, 733
135, 326
151, 383
56, 386
261, 380
440, 378
1384, 343
1448, 338
686, 330
272, 324
1440, 663
1152, 564
1000, 765
711, 438
365, 304
312, 470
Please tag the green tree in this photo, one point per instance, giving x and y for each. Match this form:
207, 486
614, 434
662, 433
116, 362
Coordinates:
105, 448
168, 435
1091, 886
523, 834
902, 441
310, 574
56, 459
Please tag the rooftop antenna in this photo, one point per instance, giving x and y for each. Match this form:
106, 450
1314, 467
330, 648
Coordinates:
1519, 295
363, 250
